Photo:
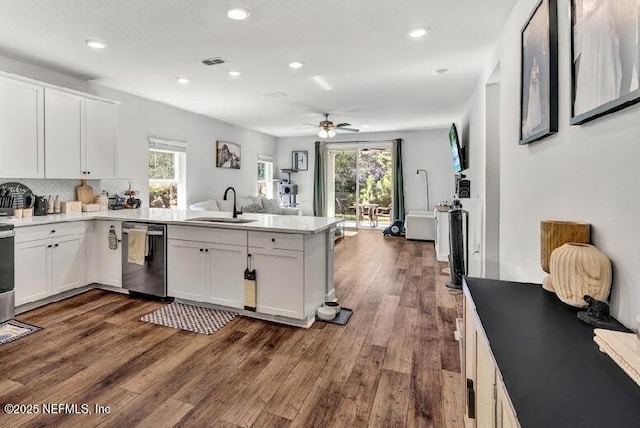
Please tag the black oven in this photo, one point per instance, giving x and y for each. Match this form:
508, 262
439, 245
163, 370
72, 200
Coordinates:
7, 275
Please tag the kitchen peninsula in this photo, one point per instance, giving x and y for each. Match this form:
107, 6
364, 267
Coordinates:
207, 253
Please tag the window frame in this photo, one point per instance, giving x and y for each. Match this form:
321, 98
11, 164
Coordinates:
179, 150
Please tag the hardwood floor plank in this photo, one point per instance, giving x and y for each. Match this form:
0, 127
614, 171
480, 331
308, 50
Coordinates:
392, 400
400, 350
384, 368
167, 415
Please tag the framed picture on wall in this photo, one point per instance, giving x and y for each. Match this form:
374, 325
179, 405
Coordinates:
539, 74
300, 160
227, 155
605, 57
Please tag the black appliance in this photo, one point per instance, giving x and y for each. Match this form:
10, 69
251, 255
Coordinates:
150, 278
457, 224
40, 206
7, 274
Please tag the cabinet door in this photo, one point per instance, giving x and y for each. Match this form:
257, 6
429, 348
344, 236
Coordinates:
486, 381
470, 379
64, 134
280, 282
21, 129
100, 139
108, 261
505, 413
226, 274
32, 271
187, 270
67, 265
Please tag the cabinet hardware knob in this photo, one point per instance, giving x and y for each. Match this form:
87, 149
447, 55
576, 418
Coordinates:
53, 231
200, 249
49, 246
56, 245
206, 250
273, 239
119, 240
88, 172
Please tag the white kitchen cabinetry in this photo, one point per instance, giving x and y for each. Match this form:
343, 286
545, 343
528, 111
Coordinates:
48, 266
108, 262
487, 404
80, 136
442, 235
280, 281
207, 265
21, 129
186, 270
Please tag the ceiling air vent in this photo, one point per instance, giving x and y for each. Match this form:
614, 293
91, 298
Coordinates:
214, 61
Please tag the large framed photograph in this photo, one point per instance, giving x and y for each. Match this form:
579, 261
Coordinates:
605, 52
227, 155
539, 74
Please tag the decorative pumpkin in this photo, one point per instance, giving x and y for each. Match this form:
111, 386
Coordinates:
578, 269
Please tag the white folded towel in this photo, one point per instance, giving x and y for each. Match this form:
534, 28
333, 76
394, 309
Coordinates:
137, 243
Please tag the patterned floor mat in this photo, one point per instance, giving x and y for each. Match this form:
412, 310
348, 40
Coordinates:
190, 318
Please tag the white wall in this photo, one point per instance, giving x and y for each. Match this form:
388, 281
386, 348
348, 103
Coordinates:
582, 173
424, 149
139, 119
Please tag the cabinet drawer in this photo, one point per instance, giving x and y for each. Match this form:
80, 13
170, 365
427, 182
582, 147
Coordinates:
282, 241
208, 235
33, 233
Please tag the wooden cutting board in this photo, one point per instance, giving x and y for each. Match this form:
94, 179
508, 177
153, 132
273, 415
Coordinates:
84, 192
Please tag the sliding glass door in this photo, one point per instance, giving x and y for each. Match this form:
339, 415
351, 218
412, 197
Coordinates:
360, 184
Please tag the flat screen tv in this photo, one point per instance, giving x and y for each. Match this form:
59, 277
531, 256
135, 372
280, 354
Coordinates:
456, 151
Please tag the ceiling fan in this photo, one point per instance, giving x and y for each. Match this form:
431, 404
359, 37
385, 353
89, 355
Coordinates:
328, 129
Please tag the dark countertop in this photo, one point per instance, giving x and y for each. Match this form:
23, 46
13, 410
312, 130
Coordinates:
553, 370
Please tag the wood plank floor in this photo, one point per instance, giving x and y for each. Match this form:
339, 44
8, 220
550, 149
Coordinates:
394, 365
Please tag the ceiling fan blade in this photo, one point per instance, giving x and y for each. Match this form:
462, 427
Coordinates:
349, 129
311, 124
341, 125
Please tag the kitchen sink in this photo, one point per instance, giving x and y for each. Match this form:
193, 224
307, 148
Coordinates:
222, 220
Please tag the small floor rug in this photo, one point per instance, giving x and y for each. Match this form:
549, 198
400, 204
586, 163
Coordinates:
13, 330
350, 232
190, 318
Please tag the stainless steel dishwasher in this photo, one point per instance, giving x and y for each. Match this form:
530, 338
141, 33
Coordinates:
151, 277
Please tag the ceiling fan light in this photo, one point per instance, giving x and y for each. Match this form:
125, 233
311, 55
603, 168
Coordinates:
331, 133
323, 133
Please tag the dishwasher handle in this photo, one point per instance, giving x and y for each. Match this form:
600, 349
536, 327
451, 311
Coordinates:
149, 232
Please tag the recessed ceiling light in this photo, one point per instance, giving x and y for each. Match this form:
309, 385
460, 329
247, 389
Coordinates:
419, 32
183, 80
234, 73
95, 44
440, 71
238, 14
296, 64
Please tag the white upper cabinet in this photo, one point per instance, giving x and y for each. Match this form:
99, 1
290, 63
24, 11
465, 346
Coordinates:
64, 134
100, 138
80, 136
21, 129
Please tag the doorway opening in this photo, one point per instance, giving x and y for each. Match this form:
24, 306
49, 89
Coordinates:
360, 184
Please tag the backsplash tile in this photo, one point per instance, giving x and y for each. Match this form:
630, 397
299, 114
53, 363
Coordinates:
66, 189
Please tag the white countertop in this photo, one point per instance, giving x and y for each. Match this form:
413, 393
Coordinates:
264, 222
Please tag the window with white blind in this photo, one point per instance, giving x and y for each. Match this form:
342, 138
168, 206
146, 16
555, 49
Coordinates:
265, 176
167, 174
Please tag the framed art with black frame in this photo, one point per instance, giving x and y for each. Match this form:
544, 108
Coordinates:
604, 57
539, 73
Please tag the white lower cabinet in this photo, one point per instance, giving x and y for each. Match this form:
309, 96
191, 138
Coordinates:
280, 281
108, 262
49, 266
205, 272
186, 270
487, 404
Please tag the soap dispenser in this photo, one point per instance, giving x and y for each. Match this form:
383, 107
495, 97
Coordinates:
50, 205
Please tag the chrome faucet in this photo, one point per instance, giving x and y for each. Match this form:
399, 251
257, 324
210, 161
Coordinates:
235, 210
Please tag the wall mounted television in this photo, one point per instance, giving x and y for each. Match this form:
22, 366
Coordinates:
457, 152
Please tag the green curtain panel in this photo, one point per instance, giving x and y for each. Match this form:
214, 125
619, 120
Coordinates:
398, 181
320, 181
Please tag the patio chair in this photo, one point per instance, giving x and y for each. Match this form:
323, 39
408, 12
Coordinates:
385, 211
